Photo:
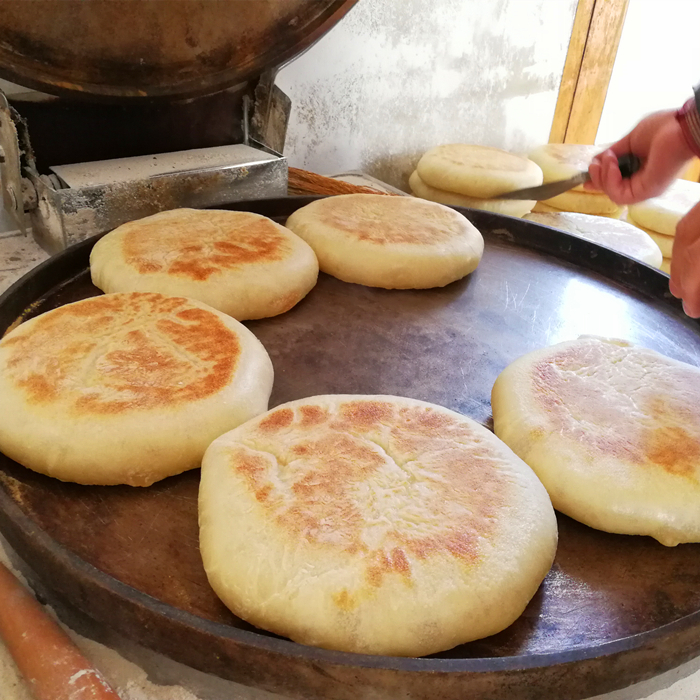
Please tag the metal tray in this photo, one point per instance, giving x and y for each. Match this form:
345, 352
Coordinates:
613, 611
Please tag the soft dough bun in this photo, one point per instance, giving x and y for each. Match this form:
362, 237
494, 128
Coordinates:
240, 263
477, 171
665, 243
542, 208
388, 241
662, 213
509, 207
585, 203
372, 524
613, 432
618, 235
561, 161
126, 388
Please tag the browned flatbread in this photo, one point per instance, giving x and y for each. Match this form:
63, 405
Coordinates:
126, 388
240, 263
613, 432
372, 524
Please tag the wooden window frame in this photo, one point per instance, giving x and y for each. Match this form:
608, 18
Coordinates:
595, 38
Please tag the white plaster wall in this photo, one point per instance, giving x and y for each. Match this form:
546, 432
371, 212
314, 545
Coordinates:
396, 77
657, 63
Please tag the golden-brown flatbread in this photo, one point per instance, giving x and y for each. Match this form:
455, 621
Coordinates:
372, 524
240, 263
126, 388
613, 432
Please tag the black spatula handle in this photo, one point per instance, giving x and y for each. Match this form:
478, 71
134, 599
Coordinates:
629, 164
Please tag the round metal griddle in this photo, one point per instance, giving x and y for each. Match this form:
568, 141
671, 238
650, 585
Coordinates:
127, 49
614, 610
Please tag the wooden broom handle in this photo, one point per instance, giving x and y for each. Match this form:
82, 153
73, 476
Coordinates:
52, 665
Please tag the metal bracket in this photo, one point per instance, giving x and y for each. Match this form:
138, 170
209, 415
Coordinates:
11, 165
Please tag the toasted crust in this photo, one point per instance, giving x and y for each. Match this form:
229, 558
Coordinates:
382, 525
613, 432
389, 242
126, 388
476, 171
240, 263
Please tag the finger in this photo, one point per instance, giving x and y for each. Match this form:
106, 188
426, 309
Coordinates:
613, 184
674, 284
594, 170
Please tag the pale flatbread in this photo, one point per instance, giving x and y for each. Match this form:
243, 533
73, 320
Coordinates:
665, 243
509, 207
240, 263
126, 388
585, 203
477, 171
618, 235
665, 266
542, 208
389, 242
613, 432
662, 213
372, 524
561, 161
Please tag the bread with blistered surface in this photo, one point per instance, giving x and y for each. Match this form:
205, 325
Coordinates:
242, 264
389, 242
613, 432
372, 524
126, 388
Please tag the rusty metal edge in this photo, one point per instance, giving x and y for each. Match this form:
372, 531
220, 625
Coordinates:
199, 87
316, 672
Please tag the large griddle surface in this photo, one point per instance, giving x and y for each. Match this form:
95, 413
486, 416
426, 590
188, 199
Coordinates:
613, 610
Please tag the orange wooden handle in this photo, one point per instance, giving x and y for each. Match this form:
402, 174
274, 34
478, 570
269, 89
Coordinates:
52, 665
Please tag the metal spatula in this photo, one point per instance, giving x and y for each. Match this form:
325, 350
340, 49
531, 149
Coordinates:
629, 165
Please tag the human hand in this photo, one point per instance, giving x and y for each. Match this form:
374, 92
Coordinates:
659, 142
685, 262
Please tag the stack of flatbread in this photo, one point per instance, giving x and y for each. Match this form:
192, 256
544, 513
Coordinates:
618, 235
470, 176
561, 161
660, 216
